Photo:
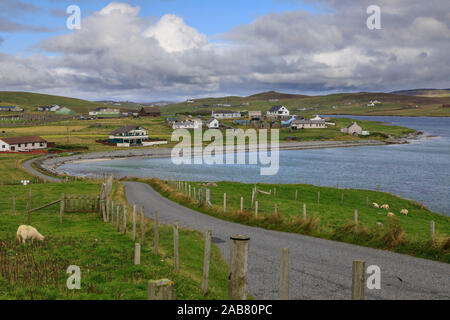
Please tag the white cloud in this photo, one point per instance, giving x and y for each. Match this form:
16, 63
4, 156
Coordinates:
174, 35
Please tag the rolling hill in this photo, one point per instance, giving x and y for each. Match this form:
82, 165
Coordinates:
29, 101
341, 103
425, 92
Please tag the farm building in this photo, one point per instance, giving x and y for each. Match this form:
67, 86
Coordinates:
314, 123
225, 114
18, 144
188, 124
213, 123
10, 109
65, 111
241, 122
278, 111
255, 115
105, 111
150, 112
354, 129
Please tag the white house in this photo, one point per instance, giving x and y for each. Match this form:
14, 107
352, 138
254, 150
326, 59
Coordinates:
277, 111
213, 123
17, 144
188, 124
225, 114
128, 135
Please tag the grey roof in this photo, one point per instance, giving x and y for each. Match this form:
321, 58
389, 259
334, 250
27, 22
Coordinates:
226, 111
307, 121
125, 129
211, 120
275, 108
352, 124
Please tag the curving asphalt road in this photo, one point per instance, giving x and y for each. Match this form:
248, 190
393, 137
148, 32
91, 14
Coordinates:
27, 166
320, 269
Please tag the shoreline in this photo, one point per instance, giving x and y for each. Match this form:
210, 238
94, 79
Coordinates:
52, 164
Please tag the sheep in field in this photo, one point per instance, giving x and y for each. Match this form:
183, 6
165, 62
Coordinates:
404, 212
390, 214
385, 206
376, 205
28, 232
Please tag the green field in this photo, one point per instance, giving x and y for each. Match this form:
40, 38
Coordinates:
331, 218
104, 256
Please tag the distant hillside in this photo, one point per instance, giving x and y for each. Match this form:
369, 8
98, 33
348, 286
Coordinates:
29, 101
425, 92
340, 103
271, 95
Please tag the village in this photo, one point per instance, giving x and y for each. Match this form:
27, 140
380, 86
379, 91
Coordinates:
277, 117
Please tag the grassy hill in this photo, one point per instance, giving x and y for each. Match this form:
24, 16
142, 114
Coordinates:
29, 101
425, 92
342, 103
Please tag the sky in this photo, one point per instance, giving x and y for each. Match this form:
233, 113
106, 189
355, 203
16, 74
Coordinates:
148, 50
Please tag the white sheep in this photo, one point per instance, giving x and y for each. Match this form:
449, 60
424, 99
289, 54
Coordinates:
390, 214
28, 232
404, 212
385, 206
376, 205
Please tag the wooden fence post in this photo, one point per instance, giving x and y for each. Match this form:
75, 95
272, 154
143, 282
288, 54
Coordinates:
156, 244
137, 254
304, 211
134, 223
112, 213
175, 247
355, 215
242, 204
224, 202
284, 274
367, 202
256, 209
124, 219
358, 280
296, 194
432, 230
161, 290
378, 188
142, 227
318, 197
206, 259
253, 197
118, 218
237, 280
62, 208
342, 198
276, 209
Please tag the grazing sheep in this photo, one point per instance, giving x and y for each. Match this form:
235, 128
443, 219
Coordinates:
385, 206
28, 232
404, 212
376, 205
379, 224
390, 214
